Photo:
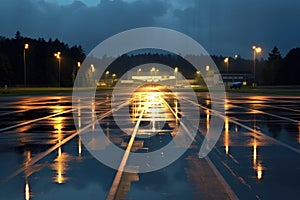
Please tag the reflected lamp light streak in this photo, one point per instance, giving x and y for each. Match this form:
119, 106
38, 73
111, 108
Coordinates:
254, 151
207, 119
79, 147
60, 167
259, 172
226, 136
27, 191
58, 126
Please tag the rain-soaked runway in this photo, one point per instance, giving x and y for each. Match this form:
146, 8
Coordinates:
256, 157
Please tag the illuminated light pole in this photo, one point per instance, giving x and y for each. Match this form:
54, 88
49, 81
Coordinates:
255, 51
113, 77
207, 68
197, 79
106, 76
91, 72
138, 71
226, 60
92, 68
77, 70
175, 73
151, 71
26, 47
78, 67
57, 55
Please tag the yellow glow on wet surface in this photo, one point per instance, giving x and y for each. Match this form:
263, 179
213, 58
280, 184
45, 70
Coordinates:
156, 110
79, 146
207, 119
226, 136
60, 165
27, 191
254, 151
58, 126
259, 172
256, 160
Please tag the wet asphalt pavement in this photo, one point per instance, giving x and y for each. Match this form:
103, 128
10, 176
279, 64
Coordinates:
256, 157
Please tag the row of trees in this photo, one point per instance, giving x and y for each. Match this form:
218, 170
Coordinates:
273, 71
41, 65
282, 71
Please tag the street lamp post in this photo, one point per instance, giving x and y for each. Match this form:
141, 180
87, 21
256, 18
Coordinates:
151, 72
26, 46
197, 79
139, 71
255, 51
57, 55
207, 68
113, 78
106, 77
77, 70
92, 68
175, 72
93, 81
78, 65
226, 60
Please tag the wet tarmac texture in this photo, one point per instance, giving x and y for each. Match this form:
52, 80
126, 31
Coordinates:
256, 157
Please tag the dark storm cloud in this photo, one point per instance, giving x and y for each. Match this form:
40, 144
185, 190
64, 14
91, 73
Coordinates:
76, 23
233, 26
222, 27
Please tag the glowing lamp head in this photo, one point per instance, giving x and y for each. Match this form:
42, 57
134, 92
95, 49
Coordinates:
258, 50
57, 55
207, 67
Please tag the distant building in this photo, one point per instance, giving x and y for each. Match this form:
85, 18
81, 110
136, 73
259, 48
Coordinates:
245, 78
167, 77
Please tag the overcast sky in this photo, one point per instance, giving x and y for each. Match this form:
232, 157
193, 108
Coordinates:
224, 27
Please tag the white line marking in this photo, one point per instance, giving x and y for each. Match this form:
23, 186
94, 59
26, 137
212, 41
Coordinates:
246, 127
44, 154
116, 182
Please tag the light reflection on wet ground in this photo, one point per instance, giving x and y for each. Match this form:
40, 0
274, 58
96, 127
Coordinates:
253, 165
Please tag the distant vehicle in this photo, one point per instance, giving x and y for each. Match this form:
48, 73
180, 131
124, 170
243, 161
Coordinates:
236, 85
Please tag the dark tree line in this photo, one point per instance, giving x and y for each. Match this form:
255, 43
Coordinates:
236, 65
282, 71
41, 64
274, 71
128, 61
